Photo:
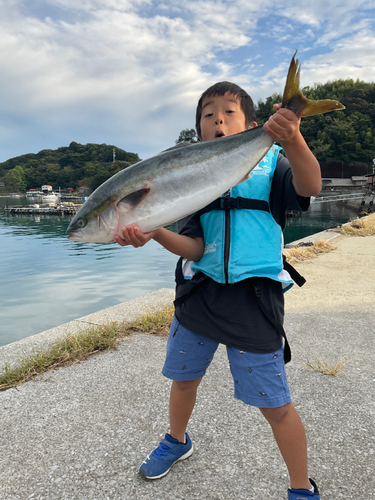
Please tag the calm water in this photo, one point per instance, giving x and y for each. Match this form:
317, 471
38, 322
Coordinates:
47, 280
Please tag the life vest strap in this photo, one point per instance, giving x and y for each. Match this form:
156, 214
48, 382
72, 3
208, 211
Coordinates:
228, 203
294, 274
279, 327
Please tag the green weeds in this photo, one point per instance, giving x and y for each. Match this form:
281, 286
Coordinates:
77, 348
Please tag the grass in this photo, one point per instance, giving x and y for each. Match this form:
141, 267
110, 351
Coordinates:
360, 227
153, 323
299, 254
77, 348
322, 366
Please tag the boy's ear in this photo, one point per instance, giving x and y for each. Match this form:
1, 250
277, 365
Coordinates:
252, 125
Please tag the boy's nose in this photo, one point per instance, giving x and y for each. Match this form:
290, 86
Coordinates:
218, 120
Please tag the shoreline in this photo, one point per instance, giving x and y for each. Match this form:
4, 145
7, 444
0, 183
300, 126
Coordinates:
129, 310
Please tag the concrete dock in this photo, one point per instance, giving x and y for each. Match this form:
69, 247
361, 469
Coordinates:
80, 432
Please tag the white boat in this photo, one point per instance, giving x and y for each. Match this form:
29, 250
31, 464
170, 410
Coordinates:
49, 197
46, 195
33, 193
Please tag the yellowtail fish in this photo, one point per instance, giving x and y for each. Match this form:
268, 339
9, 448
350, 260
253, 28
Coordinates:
179, 181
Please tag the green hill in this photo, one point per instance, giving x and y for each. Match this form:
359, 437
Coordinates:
66, 167
346, 136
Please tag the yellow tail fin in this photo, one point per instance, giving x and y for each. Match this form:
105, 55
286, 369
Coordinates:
294, 100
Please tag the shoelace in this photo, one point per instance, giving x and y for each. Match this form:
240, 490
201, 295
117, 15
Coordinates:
161, 450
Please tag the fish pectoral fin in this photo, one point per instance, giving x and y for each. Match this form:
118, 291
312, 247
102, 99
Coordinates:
135, 198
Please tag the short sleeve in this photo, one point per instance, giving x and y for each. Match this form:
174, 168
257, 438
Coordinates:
190, 226
283, 195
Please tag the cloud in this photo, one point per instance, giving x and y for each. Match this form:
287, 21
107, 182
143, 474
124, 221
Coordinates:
349, 59
129, 73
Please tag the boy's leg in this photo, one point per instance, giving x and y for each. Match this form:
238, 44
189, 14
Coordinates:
176, 445
188, 357
181, 404
290, 436
260, 380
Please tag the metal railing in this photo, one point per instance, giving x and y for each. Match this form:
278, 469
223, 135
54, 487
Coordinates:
339, 197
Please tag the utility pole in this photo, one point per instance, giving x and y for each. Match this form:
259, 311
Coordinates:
114, 155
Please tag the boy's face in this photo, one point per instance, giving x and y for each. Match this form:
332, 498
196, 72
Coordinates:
222, 116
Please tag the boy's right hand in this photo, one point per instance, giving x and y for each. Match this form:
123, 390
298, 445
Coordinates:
283, 126
132, 235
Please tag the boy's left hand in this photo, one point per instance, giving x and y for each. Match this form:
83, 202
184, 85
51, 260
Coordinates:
283, 125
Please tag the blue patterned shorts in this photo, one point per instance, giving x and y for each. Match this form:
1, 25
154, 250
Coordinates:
259, 378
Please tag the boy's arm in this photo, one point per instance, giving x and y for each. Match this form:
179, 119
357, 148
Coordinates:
184, 246
283, 127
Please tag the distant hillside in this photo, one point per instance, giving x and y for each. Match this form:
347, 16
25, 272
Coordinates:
73, 166
346, 136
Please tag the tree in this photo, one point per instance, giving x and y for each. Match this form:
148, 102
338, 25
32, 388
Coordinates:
69, 166
15, 179
187, 135
265, 108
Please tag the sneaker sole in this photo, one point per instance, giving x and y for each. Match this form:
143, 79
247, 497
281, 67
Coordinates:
183, 457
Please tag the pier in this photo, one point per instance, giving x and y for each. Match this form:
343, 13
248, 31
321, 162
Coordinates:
46, 209
339, 197
363, 203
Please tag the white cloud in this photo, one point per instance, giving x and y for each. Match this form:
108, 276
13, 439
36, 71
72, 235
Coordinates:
351, 58
132, 71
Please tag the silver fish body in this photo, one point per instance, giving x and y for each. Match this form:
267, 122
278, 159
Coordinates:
182, 180
169, 186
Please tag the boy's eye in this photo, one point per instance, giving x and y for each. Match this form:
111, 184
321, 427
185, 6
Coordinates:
207, 115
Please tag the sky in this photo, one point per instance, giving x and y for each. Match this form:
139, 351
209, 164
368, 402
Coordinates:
130, 72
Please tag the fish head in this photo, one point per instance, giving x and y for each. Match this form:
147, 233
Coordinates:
102, 215
94, 224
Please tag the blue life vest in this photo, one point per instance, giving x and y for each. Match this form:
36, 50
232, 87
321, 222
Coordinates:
239, 242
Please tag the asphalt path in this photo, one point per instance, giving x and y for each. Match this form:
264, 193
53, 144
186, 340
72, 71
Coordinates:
81, 432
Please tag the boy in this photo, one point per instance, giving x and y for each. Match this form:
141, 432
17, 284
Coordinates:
235, 257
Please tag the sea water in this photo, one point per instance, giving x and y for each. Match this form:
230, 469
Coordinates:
47, 280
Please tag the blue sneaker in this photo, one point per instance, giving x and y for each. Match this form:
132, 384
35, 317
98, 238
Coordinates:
304, 494
169, 451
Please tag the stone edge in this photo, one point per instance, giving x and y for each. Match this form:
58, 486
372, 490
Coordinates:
129, 310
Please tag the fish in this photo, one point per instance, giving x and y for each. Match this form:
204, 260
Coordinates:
177, 182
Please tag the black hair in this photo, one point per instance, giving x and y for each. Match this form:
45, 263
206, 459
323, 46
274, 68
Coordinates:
220, 89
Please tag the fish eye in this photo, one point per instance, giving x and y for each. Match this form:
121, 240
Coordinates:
81, 223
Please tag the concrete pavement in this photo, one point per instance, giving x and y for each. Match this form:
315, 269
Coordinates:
80, 432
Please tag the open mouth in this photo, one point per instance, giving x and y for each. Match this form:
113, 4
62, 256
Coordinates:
219, 134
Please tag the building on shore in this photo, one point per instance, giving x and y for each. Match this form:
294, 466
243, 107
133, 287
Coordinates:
356, 182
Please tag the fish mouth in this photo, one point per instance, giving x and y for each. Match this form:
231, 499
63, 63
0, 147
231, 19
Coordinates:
75, 236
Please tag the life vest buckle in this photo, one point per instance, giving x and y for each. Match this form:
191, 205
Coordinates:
227, 203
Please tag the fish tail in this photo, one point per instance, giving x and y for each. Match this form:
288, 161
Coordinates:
294, 100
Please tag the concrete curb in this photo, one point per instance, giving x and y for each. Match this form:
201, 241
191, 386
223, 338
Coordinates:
10, 353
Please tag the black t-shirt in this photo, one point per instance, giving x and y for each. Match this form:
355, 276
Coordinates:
229, 313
